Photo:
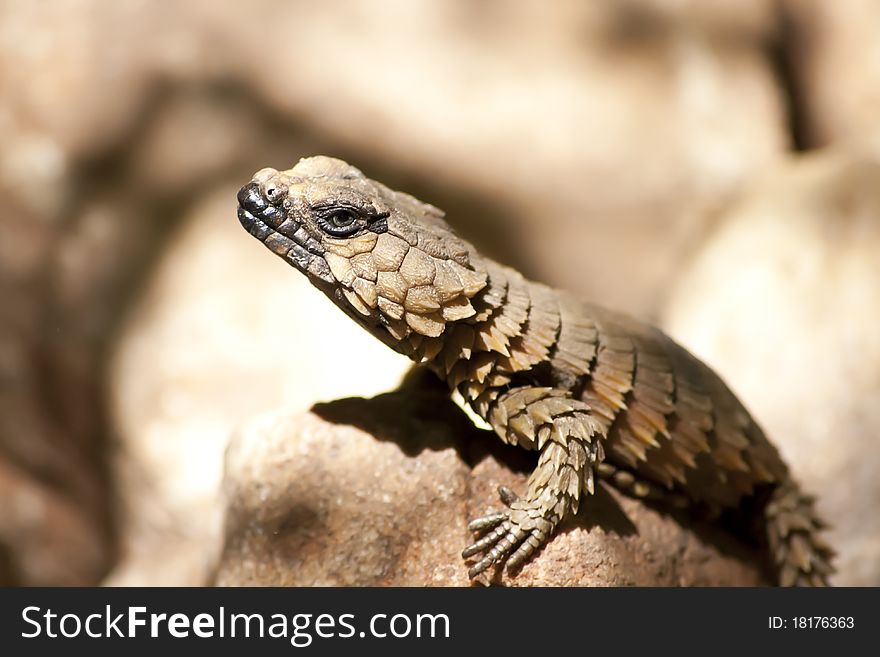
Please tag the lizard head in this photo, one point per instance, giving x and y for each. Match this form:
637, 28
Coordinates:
384, 257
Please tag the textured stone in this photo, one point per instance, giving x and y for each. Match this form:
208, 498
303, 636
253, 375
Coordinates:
784, 302
379, 492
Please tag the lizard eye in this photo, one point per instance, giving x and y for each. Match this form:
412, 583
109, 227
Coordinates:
342, 219
339, 222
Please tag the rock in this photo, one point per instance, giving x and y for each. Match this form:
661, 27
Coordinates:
835, 61
68, 84
222, 331
46, 538
379, 492
54, 484
784, 301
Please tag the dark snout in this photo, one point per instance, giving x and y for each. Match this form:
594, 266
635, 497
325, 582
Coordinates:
250, 198
255, 212
282, 234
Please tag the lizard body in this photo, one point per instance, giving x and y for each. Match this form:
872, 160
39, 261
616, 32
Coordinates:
593, 391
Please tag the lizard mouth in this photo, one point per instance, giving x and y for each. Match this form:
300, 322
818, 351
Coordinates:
281, 234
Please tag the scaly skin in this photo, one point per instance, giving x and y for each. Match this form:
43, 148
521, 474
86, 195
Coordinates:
594, 391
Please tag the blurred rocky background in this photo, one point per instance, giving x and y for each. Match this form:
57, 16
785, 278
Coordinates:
713, 165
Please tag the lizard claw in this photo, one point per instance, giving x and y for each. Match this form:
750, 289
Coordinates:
486, 522
514, 535
497, 545
492, 520
507, 496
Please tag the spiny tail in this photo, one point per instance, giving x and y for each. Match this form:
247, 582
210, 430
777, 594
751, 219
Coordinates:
801, 556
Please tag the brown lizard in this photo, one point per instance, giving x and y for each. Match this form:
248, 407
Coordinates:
595, 392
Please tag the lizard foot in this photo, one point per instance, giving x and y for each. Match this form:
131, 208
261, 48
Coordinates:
513, 535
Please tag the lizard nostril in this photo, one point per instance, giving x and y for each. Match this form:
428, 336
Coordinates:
275, 192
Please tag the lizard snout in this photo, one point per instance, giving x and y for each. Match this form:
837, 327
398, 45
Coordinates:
250, 198
253, 201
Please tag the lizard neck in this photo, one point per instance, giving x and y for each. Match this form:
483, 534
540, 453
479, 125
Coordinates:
515, 326
458, 341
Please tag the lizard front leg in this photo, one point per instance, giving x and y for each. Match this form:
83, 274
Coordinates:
570, 441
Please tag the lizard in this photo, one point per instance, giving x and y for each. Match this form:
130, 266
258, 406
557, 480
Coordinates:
595, 392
